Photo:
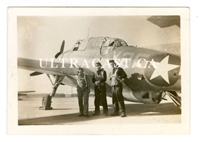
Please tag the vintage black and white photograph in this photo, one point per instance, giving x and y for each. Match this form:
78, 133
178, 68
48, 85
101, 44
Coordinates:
98, 68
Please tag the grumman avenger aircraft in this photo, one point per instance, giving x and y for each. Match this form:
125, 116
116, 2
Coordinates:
151, 74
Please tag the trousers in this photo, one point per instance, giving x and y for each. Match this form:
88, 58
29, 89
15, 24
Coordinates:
83, 98
100, 96
117, 98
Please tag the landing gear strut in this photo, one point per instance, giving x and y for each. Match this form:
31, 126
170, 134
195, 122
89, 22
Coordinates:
46, 100
175, 98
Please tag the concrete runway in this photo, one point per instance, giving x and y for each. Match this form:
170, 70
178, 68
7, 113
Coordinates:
65, 112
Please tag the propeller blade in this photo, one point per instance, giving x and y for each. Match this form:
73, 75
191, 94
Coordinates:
35, 73
61, 49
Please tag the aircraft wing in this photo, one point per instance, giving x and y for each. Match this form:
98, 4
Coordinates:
23, 92
165, 21
34, 65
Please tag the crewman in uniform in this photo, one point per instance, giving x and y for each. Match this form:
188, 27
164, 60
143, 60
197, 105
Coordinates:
117, 76
99, 79
83, 90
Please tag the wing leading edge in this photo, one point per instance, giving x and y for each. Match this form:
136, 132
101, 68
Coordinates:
34, 65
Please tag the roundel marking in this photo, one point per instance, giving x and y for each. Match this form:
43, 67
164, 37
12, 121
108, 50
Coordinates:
163, 70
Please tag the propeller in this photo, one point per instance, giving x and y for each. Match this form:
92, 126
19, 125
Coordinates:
56, 56
61, 49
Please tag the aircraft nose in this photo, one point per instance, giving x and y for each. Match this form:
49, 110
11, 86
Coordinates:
163, 70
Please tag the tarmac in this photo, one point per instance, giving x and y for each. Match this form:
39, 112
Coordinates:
65, 112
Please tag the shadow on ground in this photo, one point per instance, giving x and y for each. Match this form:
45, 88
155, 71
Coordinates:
133, 110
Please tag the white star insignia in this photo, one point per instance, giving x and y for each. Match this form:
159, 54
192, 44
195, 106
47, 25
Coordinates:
162, 69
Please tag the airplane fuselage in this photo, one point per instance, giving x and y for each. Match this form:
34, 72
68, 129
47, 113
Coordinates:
149, 72
143, 82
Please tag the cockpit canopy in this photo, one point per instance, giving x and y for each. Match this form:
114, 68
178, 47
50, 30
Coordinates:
105, 44
110, 44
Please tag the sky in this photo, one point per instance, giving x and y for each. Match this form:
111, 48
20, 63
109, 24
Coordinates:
41, 37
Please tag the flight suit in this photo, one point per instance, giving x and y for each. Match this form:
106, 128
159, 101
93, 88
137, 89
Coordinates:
83, 90
100, 91
117, 98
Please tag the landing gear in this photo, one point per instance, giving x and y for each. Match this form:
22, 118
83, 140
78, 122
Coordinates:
158, 98
46, 103
175, 98
46, 100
